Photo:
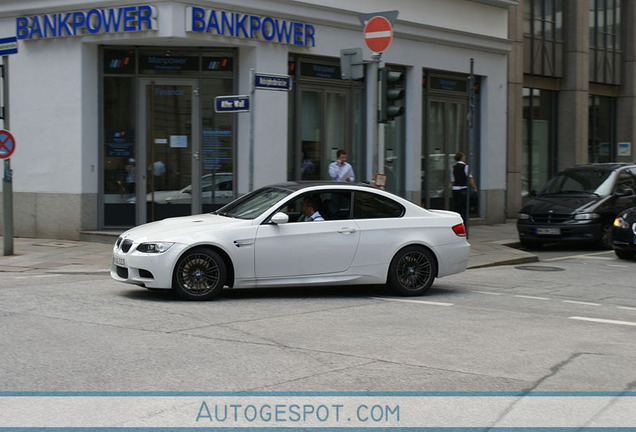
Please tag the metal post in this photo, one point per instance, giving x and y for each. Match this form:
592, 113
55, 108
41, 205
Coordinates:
7, 203
471, 137
7, 179
252, 106
375, 145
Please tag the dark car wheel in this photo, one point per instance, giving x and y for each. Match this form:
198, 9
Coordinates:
605, 241
199, 275
623, 254
412, 271
530, 244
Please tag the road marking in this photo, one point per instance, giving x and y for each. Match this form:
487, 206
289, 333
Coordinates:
581, 303
486, 292
531, 297
413, 301
626, 308
604, 321
590, 256
617, 265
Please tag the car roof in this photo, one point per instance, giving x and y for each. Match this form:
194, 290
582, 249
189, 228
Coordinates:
304, 184
606, 166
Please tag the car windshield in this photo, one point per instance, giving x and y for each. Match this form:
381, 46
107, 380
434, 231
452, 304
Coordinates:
253, 204
592, 181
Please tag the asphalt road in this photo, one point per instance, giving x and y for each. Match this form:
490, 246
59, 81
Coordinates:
566, 323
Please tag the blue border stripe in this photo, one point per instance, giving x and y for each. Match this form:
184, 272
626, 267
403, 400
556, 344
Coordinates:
322, 429
310, 394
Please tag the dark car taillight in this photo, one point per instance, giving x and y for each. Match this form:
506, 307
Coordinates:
459, 230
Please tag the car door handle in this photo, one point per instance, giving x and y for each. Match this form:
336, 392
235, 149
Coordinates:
347, 230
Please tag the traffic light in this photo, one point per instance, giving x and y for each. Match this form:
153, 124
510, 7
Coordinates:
391, 90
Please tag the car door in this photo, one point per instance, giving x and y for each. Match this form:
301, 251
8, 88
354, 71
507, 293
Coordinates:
302, 248
625, 190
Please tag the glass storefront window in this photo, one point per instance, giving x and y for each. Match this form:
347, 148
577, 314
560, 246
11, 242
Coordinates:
120, 176
602, 129
539, 139
326, 114
181, 160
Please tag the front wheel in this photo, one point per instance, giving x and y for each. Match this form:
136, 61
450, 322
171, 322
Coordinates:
412, 271
623, 254
199, 275
605, 241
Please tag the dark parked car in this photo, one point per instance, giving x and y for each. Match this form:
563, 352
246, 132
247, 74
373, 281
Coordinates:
579, 204
624, 234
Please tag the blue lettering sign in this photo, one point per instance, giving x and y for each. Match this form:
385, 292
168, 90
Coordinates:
234, 24
94, 21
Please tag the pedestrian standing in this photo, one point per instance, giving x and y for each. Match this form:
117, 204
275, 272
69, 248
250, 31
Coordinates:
461, 178
340, 169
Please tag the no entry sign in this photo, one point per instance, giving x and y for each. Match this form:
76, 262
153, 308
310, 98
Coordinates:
7, 144
378, 34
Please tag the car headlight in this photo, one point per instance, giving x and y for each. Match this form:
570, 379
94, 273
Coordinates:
634, 228
586, 216
619, 222
158, 247
523, 216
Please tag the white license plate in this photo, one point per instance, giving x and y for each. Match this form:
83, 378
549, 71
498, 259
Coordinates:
119, 261
548, 231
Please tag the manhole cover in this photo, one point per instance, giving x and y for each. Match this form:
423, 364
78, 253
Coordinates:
539, 268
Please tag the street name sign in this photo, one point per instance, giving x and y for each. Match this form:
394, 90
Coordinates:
8, 46
230, 104
272, 82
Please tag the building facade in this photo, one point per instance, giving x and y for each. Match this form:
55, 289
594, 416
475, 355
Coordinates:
115, 112
571, 89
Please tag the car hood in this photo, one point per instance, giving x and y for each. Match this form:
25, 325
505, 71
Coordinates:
562, 204
182, 229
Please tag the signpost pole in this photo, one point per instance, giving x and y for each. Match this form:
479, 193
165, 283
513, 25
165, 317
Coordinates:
375, 107
253, 102
7, 180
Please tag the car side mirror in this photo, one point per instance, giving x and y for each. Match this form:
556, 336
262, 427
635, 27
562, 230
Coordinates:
280, 218
533, 193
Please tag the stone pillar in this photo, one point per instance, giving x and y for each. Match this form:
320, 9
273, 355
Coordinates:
515, 111
573, 98
626, 103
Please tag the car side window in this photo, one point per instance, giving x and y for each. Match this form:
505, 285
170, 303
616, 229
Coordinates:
334, 205
368, 205
625, 182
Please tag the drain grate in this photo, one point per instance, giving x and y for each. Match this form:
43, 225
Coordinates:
539, 268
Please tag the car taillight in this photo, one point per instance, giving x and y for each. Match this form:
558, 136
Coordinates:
460, 230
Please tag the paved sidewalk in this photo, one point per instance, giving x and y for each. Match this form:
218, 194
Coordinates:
489, 247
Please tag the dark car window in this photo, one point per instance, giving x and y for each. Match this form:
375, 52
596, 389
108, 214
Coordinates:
372, 206
579, 181
334, 205
625, 182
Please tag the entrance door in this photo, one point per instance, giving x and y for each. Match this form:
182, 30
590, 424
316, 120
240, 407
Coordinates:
323, 130
170, 150
446, 136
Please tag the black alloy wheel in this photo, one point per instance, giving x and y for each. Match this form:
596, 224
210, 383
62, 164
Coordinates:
199, 275
412, 271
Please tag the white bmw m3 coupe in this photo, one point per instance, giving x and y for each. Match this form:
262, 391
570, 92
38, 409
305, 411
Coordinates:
294, 234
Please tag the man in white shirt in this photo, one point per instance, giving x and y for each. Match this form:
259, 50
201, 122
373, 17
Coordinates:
340, 170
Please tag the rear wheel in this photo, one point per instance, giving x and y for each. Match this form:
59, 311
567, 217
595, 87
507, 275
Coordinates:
412, 271
199, 275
